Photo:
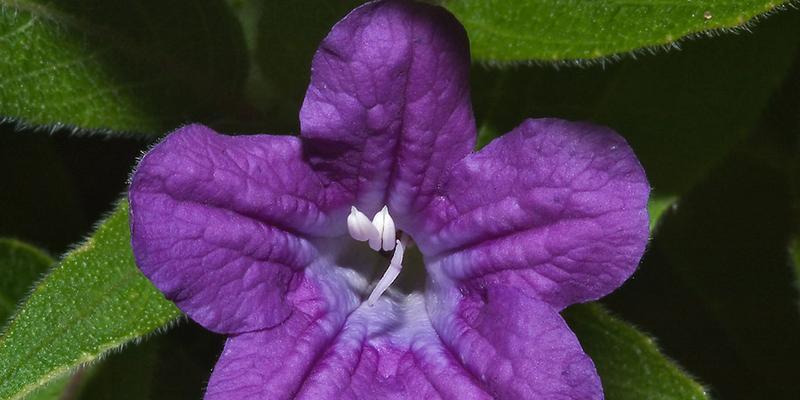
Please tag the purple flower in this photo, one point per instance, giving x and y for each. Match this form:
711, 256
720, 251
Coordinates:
269, 240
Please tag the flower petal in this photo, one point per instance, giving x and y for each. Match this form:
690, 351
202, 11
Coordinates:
519, 347
387, 111
554, 207
219, 224
273, 363
388, 351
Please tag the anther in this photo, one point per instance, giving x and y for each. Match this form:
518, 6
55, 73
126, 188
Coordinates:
360, 227
381, 235
384, 223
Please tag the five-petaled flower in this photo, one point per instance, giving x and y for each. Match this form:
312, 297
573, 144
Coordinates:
253, 236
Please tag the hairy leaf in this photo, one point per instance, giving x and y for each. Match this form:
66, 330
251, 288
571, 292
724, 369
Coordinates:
57, 388
563, 30
20, 265
92, 302
129, 65
629, 363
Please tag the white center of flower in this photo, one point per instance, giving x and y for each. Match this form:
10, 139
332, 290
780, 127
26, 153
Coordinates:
381, 235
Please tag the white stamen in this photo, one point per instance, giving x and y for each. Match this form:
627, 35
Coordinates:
395, 266
381, 235
384, 223
360, 227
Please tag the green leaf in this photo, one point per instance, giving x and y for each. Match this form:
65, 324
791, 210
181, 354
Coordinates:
127, 66
55, 389
628, 362
564, 30
682, 112
92, 302
20, 265
657, 207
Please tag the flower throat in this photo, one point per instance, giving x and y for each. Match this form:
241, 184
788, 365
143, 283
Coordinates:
382, 235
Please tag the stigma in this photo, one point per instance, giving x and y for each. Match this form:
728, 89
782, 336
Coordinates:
381, 234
